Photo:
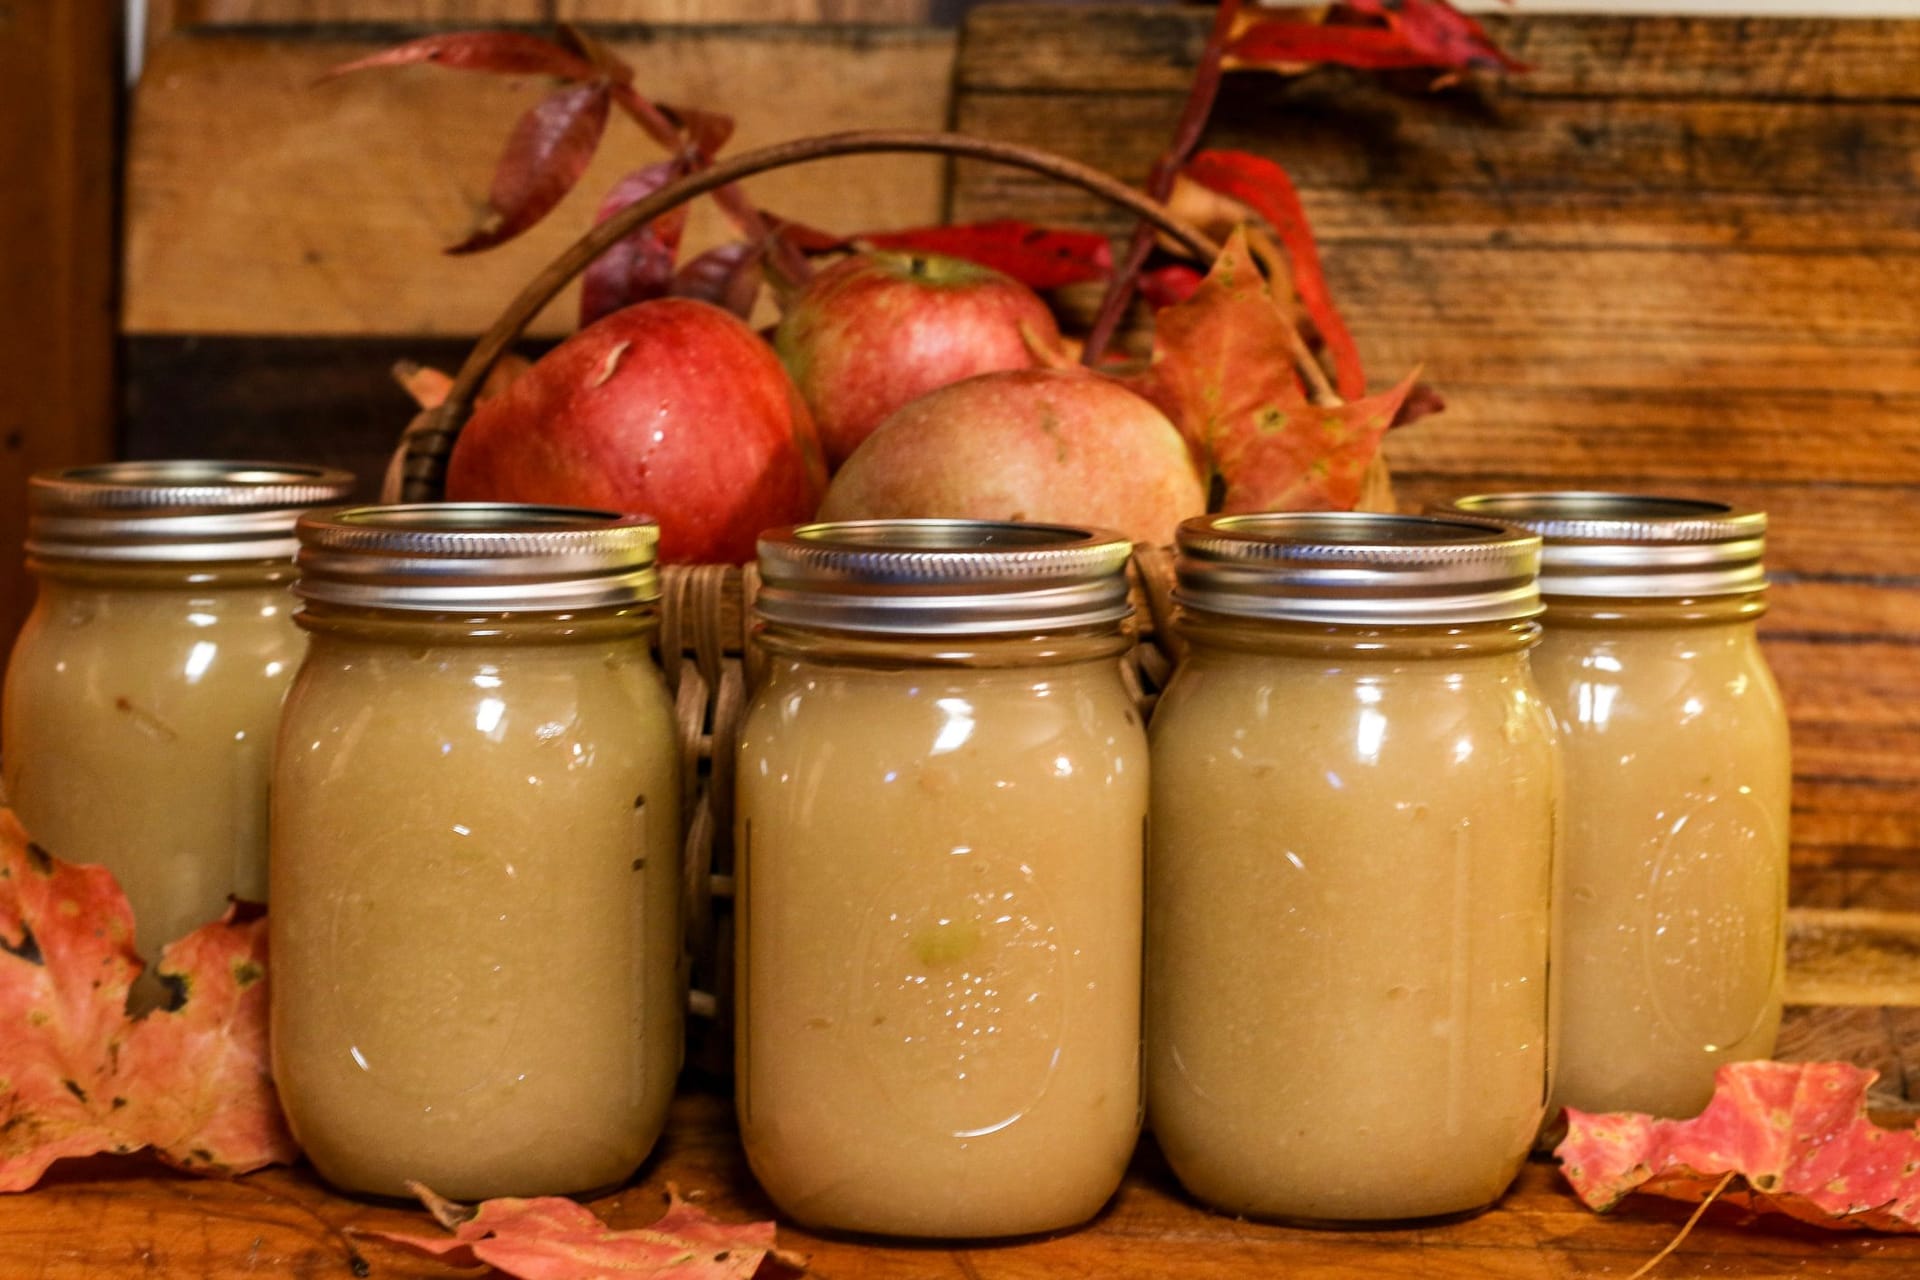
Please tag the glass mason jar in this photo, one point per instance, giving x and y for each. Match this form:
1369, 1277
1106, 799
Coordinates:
942, 795
1678, 790
476, 868
142, 693
1354, 791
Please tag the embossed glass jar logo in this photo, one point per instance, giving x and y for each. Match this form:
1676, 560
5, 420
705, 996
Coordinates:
958, 1006
1713, 962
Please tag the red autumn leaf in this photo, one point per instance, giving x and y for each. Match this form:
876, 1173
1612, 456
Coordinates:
552, 1238
1795, 1133
639, 265
1038, 257
1264, 187
706, 130
1440, 33
1164, 286
1285, 45
550, 148
1223, 368
510, 53
78, 1077
1409, 33
1421, 402
727, 275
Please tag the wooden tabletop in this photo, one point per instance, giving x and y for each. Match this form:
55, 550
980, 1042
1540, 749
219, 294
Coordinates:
102, 1219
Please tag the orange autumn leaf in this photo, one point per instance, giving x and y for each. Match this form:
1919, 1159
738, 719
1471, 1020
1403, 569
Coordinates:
78, 1077
1223, 371
1796, 1135
553, 1238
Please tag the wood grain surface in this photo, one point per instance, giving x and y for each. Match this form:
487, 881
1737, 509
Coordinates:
58, 90
175, 14
1678, 255
100, 1220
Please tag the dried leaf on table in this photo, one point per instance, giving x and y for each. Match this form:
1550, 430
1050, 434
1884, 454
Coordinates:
511, 53
1796, 1134
1038, 257
639, 265
553, 1238
1255, 186
78, 1077
549, 149
1223, 371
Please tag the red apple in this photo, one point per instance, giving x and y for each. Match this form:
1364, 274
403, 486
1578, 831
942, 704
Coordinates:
670, 408
1033, 444
876, 330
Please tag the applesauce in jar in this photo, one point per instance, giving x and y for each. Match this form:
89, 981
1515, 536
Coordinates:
1354, 790
1678, 791
476, 877
143, 691
942, 790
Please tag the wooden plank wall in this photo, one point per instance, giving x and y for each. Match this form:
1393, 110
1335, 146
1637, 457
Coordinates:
1681, 254
59, 83
168, 15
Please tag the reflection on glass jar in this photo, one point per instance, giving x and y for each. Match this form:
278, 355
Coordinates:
1678, 788
942, 786
143, 691
1349, 904
475, 854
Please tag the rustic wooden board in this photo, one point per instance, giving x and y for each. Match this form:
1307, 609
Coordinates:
259, 202
58, 86
1679, 255
99, 1220
1856, 957
174, 14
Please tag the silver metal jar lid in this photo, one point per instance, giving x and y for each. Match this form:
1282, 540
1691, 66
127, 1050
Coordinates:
942, 577
1625, 544
1354, 568
477, 557
175, 511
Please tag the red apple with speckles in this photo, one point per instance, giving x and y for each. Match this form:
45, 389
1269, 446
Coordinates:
670, 408
1059, 446
877, 330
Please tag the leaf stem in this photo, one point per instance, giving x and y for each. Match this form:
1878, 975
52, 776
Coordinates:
1160, 182
1674, 1243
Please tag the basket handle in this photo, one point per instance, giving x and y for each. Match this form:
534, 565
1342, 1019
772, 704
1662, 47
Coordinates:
418, 469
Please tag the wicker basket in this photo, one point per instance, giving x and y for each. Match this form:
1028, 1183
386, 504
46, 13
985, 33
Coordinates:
706, 610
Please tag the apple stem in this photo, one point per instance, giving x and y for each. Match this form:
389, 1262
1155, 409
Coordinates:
418, 473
